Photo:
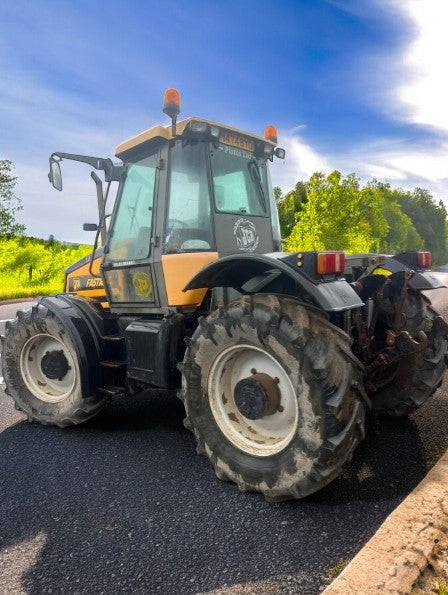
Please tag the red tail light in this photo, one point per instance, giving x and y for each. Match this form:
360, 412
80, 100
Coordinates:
424, 260
330, 262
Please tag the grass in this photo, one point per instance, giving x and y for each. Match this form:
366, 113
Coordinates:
11, 288
32, 266
433, 457
442, 586
335, 571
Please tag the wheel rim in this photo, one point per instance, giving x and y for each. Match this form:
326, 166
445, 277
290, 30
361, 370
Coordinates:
271, 432
48, 369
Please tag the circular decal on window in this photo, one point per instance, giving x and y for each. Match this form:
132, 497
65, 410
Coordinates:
142, 284
246, 235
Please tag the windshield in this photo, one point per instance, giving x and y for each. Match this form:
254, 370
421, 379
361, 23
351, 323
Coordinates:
237, 181
131, 229
188, 223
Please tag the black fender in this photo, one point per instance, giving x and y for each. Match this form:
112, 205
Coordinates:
252, 273
85, 323
420, 279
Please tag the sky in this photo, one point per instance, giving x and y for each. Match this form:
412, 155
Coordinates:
354, 85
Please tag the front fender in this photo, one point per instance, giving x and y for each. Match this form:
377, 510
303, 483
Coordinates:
251, 273
85, 324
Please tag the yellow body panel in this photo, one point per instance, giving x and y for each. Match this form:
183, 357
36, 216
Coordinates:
380, 271
82, 283
178, 269
84, 270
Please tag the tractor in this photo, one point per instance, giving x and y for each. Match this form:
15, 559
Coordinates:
276, 356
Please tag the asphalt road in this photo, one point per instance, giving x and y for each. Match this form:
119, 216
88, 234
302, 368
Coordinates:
123, 504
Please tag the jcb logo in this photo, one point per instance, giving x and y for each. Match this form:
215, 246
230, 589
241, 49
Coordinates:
142, 284
246, 235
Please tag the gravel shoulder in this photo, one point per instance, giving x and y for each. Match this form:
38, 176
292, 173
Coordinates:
409, 552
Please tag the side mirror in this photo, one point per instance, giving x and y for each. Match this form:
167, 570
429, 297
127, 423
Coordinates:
55, 175
280, 153
90, 227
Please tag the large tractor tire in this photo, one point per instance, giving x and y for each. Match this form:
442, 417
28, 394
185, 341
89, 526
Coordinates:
405, 385
42, 371
273, 395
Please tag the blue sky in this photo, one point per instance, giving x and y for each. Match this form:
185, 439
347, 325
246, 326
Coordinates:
351, 85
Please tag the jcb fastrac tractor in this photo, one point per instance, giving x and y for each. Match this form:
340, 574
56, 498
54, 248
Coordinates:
276, 356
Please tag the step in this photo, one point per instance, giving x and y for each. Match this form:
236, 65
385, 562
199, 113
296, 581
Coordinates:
111, 390
113, 338
113, 364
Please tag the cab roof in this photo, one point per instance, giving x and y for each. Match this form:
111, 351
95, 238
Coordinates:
164, 133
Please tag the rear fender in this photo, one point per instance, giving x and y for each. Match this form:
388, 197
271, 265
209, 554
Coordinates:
419, 280
276, 273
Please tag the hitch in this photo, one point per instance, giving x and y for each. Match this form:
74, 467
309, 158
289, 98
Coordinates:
399, 345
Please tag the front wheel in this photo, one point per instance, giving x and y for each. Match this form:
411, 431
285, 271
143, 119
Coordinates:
272, 393
42, 372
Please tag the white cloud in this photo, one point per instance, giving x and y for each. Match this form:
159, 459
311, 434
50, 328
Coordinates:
422, 95
412, 88
301, 161
394, 161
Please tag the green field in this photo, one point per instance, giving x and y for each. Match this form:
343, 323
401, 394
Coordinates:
32, 267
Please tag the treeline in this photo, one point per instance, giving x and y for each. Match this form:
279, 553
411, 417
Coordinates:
32, 266
337, 212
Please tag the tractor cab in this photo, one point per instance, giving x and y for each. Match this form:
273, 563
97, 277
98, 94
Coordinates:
188, 193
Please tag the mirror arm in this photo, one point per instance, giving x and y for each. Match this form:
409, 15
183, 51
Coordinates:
100, 200
97, 162
100, 227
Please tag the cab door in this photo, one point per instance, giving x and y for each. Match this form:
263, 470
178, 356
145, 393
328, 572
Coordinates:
128, 262
242, 209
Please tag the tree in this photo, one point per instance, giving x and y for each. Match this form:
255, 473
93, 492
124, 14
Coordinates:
402, 235
9, 203
277, 193
289, 207
339, 215
429, 219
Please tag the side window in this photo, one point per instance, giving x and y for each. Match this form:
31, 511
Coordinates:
188, 223
231, 193
131, 232
237, 181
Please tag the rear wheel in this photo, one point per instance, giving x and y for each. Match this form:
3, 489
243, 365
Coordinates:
272, 394
41, 370
409, 382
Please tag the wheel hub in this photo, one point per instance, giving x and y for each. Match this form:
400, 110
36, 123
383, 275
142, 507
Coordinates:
257, 396
54, 364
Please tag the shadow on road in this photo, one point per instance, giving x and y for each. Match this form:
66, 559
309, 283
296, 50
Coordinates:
126, 505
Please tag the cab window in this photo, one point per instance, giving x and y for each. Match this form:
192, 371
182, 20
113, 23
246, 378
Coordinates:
237, 181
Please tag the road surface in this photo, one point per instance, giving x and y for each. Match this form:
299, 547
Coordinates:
123, 504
